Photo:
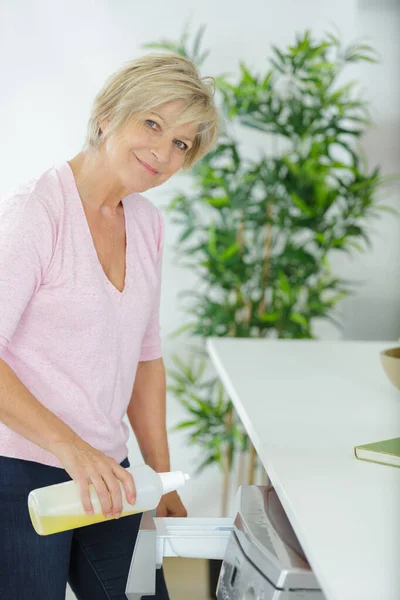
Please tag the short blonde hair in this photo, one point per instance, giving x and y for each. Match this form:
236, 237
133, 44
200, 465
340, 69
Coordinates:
147, 82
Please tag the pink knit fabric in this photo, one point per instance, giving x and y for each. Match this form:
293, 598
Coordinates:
71, 337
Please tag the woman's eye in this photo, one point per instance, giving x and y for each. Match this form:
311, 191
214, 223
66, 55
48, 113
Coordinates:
151, 124
181, 145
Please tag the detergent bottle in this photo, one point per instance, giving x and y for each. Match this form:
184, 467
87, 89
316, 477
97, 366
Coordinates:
56, 508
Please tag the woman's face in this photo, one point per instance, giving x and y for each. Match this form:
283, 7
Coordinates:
144, 155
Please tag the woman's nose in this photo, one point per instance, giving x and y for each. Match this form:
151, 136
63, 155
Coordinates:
162, 151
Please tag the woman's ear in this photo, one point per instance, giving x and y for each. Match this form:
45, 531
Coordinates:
103, 124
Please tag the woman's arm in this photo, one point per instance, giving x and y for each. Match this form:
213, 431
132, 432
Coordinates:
23, 413
147, 414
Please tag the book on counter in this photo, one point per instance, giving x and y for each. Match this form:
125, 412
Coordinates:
386, 452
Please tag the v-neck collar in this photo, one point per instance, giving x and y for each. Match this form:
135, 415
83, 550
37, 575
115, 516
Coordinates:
82, 216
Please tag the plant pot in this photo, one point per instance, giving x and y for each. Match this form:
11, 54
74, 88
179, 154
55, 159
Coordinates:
390, 360
214, 568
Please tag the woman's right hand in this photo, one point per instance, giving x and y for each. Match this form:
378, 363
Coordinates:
86, 466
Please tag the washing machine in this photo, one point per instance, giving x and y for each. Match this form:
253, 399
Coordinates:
262, 557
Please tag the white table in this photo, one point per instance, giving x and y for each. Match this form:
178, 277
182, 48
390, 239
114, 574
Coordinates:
305, 405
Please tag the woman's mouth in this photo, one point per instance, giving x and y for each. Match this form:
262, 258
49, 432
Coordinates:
147, 167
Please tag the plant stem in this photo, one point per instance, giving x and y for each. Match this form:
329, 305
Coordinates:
265, 479
252, 464
267, 258
228, 458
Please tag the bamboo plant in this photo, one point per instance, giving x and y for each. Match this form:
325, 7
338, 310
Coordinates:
259, 233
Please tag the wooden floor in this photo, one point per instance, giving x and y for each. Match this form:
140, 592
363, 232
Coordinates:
187, 578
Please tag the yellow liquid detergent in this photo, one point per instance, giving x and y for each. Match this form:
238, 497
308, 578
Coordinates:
54, 524
58, 507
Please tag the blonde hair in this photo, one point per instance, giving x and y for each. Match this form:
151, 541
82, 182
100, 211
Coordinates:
147, 82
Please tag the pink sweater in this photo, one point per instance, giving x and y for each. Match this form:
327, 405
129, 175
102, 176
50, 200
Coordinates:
71, 337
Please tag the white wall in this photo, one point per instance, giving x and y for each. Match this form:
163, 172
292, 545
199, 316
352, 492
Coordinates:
54, 56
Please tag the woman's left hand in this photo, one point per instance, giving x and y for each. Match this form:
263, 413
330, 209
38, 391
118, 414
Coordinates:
171, 506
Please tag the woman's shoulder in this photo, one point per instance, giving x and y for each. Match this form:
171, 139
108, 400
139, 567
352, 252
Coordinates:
35, 198
29, 218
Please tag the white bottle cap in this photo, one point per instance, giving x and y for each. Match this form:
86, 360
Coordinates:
173, 480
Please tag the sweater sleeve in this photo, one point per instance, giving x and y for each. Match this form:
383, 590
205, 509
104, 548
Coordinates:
151, 342
27, 236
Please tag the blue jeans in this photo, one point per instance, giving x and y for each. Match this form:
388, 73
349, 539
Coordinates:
94, 560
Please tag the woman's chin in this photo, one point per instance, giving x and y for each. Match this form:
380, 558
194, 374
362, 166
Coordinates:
134, 184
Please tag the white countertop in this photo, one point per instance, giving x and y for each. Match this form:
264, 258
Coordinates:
305, 405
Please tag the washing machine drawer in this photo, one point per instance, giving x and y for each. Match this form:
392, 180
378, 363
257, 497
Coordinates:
192, 538
188, 538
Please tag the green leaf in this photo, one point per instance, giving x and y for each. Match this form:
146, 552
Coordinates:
338, 165
359, 57
183, 329
300, 204
218, 202
210, 460
335, 299
323, 65
267, 81
186, 234
202, 58
299, 319
277, 66
284, 283
229, 252
356, 245
181, 365
197, 40
201, 369
162, 45
212, 240
334, 40
269, 317
247, 77
279, 54
388, 209
184, 425
204, 408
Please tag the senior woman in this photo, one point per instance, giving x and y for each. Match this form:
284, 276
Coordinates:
80, 279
